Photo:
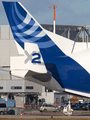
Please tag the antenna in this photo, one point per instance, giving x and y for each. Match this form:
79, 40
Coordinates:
53, 16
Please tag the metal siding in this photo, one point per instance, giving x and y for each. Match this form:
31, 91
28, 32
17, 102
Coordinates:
7, 47
5, 53
4, 77
0, 53
1, 76
13, 48
0, 32
19, 101
5, 32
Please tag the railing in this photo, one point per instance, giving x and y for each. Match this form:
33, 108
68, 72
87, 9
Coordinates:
33, 110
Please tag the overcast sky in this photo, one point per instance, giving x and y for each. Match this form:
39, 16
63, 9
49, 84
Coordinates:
69, 12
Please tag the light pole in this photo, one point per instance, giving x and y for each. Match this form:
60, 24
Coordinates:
53, 16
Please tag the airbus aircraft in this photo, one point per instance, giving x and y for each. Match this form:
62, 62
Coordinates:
47, 58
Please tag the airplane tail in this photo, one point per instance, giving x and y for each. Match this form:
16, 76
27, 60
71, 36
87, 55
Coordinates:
54, 50
26, 29
27, 32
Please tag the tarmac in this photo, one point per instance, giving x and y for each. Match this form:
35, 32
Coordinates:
36, 114
40, 116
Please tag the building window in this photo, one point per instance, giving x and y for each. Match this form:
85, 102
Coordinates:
29, 87
16, 87
1, 88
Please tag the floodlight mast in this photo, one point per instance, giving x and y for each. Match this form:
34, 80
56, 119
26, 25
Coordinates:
53, 16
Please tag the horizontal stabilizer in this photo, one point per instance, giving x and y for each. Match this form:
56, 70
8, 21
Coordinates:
30, 64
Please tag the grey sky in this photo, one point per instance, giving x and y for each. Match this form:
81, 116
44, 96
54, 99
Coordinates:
69, 12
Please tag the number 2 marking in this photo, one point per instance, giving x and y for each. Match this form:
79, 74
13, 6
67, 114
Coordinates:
34, 60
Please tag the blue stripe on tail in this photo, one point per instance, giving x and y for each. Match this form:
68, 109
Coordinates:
24, 27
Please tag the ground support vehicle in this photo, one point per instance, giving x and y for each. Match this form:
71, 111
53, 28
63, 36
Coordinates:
68, 110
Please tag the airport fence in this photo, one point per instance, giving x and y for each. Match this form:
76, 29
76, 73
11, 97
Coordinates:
33, 110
